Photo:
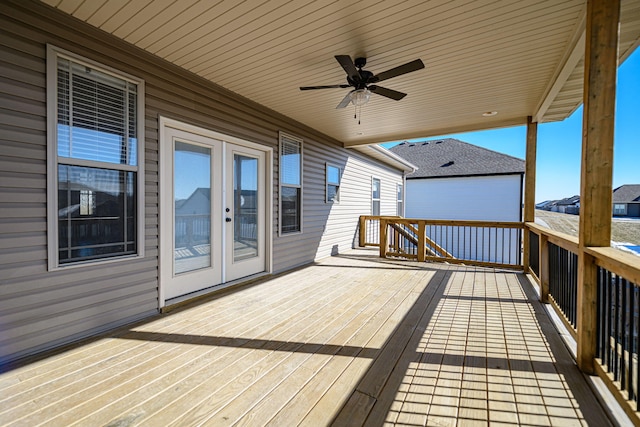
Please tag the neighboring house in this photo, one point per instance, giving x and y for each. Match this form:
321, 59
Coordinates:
545, 205
569, 205
91, 204
626, 200
456, 180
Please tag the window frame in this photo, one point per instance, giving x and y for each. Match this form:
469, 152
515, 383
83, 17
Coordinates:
327, 183
400, 199
373, 199
619, 211
281, 137
53, 161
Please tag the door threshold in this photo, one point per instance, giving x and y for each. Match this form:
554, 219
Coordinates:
202, 294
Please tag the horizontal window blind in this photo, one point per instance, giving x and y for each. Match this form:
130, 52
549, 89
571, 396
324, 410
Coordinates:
290, 157
96, 115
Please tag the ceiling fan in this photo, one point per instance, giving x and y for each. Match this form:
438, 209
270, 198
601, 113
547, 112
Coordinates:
363, 81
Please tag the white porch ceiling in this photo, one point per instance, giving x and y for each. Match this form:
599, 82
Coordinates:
518, 58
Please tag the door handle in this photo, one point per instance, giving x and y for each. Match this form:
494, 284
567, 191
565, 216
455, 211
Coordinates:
228, 219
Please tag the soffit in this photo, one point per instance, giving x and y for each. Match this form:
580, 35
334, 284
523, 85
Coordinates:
519, 58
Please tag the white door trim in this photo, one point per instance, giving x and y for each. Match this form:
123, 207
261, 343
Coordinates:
165, 123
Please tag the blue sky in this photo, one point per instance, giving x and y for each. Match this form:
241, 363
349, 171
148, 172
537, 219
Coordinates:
559, 143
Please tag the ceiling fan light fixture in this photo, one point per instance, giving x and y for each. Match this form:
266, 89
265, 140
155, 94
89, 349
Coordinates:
359, 97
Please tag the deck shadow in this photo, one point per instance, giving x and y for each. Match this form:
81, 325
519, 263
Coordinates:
370, 402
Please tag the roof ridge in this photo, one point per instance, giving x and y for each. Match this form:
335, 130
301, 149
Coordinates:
434, 157
486, 149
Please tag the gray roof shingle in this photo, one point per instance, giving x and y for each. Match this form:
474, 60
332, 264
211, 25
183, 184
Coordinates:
627, 193
454, 158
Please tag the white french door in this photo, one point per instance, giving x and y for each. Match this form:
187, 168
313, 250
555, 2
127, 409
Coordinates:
212, 212
244, 212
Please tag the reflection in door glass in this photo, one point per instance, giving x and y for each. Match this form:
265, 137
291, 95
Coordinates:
192, 207
245, 204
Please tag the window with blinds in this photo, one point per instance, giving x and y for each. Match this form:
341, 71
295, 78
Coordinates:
97, 143
290, 184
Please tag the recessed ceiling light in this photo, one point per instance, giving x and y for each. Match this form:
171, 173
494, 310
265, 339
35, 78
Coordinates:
489, 114
359, 133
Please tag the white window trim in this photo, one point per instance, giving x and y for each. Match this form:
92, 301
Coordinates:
282, 135
401, 199
379, 199
327, 183
53, 53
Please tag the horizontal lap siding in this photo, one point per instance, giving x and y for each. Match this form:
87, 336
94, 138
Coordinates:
41, 309
332, 227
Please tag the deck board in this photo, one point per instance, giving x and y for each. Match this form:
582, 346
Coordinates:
352, 340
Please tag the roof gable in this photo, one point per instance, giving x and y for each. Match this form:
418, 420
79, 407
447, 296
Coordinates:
627, 193
451, 157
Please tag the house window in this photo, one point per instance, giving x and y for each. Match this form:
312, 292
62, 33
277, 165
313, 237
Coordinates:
375, 197
94, 127
290, 184
399, 204
332, 181
619, 209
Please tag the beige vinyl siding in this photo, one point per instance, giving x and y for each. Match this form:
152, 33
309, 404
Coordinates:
40, 309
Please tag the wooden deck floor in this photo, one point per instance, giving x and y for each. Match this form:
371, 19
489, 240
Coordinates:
354, 340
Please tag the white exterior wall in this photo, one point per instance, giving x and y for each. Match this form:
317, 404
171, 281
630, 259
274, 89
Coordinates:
332, 228
482, 198
355, 200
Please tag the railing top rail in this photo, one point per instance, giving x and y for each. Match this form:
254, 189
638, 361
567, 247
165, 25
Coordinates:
375, 217
564, 240
453, 222
619, 262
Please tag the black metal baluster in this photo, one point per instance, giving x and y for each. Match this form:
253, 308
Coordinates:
616, 330
611, 321
575, 288
606, 334
477, 229
552, 270
631, 346
510, 235
599, 323
495, 245
563, 279
636, 346
570, 287
623, 334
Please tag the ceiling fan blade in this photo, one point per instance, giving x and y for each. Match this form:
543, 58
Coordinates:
389, 93
348, 66
323, 87
345, 101
398, 71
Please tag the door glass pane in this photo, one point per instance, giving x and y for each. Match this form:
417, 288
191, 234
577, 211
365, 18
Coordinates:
245, 204
192, 207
